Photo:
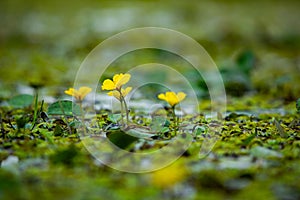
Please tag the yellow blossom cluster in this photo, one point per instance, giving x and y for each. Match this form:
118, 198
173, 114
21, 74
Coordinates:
78, 94
115, 85
172, 98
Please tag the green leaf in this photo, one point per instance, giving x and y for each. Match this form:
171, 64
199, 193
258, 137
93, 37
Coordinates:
64, 107
140, 132
114, 118
21, 101
75, 124
157, 124
120, 138
165, 130
200, 130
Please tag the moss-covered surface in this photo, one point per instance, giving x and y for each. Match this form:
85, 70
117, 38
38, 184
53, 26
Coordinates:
256, 156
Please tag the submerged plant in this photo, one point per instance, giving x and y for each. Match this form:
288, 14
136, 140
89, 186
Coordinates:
173, 99
116, 90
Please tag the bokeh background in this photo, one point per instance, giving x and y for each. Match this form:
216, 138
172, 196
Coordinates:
254, 43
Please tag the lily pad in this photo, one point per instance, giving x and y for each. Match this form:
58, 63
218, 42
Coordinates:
120, 138
21, 101
64, 107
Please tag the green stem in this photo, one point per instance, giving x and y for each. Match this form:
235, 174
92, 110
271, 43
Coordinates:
126, 110
175, 119
35, 108
122, 111
82, 118
123, 102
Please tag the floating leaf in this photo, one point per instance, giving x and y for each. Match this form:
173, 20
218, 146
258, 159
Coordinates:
157, 124
114, 118
64, 107
140, 132
120, 138
21, 101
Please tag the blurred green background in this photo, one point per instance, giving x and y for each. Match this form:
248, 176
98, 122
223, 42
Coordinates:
44, 42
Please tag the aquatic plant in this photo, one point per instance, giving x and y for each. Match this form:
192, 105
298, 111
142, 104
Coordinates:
116, 90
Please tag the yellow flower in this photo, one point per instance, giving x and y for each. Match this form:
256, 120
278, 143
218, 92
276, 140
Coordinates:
172, 98
78, 94
169, 176
116, 93
116, 83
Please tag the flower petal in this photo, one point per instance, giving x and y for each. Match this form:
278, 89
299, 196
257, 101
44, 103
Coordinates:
117, 77
83, 91
114, 93
172, 98
126, 91
111, 93
121, 79
108, 85
70, 91
181, 96
162, 97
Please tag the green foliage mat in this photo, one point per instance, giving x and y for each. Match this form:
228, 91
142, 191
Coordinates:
256, 157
